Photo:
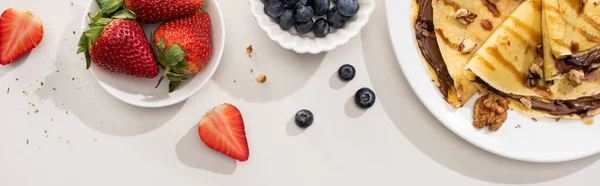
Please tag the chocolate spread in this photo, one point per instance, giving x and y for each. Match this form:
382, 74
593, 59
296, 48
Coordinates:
425, 34
556, 107
584, 61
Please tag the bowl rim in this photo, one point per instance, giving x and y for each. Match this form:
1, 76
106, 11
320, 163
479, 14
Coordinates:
217, 57
312, 49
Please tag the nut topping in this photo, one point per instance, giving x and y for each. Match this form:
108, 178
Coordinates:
576, 76
490, 110
467, 46
526, 102
536, 70
465, 16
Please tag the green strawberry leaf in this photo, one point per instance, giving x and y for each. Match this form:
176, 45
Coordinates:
95, 18
174, 54
161, 44
101, 3
173, 85
93, 33
176, 77
101, 22
111, 6
82, 45
124, 14
88, 60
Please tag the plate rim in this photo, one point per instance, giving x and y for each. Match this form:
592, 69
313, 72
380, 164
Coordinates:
428, 102
173, 101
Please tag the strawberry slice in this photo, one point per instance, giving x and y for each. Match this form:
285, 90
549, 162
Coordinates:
20, 31
222, 129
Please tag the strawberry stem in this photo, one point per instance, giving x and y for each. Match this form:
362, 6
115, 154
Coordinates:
167, 70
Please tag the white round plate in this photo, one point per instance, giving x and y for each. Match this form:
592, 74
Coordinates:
141, 92
309, 43
543, 141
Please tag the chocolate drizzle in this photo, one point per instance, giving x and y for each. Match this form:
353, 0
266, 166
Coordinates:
425, 35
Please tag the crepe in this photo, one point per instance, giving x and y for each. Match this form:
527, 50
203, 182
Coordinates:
505, 65
455, 39
573, 36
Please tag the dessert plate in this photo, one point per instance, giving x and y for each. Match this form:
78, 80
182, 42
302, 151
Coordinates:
522, 137
141, 92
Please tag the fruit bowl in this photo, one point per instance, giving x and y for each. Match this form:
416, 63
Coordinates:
309, 43
142, 92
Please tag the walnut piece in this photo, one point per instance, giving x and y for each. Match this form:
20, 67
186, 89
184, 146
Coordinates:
536, 70
576, 76
526, 102
464, 16
467, 46
490, 110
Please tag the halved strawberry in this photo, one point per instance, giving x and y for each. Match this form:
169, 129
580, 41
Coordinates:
222, 129
20, 31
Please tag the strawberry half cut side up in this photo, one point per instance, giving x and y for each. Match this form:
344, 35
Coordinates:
20, 31
222, 129
183, 46
117, 43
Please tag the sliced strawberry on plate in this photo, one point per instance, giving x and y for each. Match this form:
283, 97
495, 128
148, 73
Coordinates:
222, 129
20, 31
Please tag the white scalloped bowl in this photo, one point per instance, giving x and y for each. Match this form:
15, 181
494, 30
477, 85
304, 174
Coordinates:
309, 43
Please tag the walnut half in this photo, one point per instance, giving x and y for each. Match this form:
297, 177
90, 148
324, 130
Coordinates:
490, 110
464, 16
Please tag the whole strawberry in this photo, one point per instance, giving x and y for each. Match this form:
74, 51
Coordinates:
183, 46
154, 11
118, 44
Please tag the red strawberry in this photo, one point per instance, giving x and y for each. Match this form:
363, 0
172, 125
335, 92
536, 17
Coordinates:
222, 129
20, 31
119, 45
183, 46
154, 11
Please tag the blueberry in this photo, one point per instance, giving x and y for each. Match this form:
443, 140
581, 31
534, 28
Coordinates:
335, 19
302, 3
321, 28
303, 28
364, 98
320, 6
286, 20
303, 14
274, 9
304, 118
290, 3
346, 72
347, 7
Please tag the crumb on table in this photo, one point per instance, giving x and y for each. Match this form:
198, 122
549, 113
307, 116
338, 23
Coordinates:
534, 119
249, 50
261, 78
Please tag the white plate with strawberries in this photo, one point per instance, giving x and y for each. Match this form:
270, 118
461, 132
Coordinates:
181, 49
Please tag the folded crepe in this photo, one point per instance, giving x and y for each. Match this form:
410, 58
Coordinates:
510, 63
448, 32
573, 37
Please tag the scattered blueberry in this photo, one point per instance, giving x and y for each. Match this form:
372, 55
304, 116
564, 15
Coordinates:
321, 28
304, 118
320, 6
286, 20
347, 72
364, 98
303, 13
303, 28
347, 7
274, 9
335, 19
